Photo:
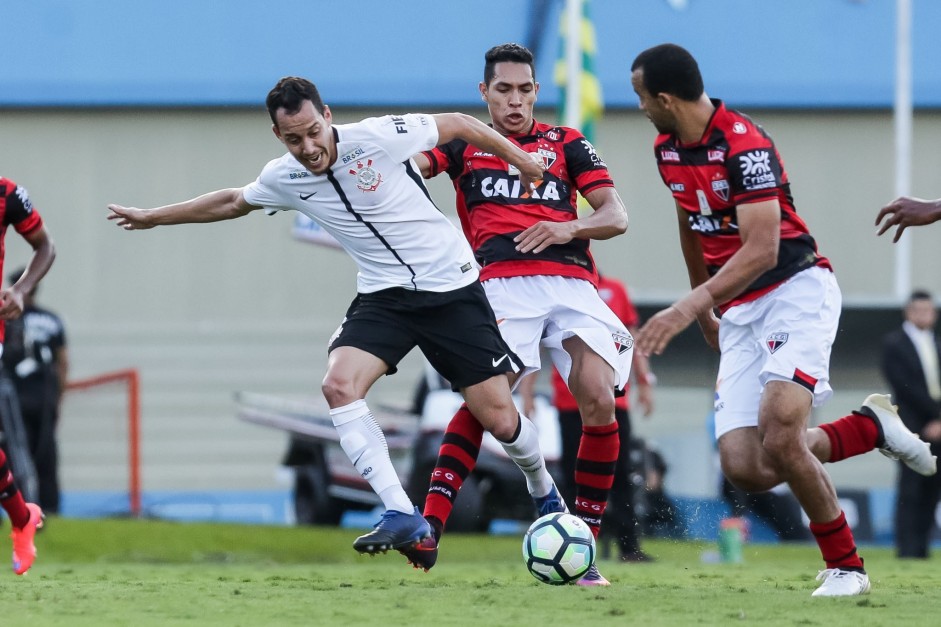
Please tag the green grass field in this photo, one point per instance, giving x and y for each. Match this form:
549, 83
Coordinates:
127, 572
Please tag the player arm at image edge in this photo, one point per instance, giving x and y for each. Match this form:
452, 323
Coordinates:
44, 253
222, 204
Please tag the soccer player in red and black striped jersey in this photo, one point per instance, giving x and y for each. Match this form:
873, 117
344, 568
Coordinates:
17, 210
748, 253
540, 278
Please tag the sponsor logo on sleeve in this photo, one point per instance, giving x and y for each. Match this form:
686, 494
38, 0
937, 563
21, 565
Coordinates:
24, 198
401, 126
596, 159
756, 170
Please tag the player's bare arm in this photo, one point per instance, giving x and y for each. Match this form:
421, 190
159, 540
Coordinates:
474, 132
759, 227
906, 212
608, 220
424, 165
223, 204
760, 231
44, 253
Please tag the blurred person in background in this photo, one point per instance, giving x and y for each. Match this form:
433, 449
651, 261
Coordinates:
540, 279
907, 211
36, 358
910, 358
417, 283
750, 255
16, 210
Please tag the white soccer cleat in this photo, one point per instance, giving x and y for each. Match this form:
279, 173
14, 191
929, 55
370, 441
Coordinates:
898, 441
841, 583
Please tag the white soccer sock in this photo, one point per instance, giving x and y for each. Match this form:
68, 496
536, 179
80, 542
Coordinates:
364, 443
525, 451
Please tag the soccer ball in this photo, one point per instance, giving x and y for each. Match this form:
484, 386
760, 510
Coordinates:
558, 548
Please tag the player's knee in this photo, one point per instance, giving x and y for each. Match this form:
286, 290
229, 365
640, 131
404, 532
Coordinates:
747, 478
596, 407
338, 390
503, 425
782, 446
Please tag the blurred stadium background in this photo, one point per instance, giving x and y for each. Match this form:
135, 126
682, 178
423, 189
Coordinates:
156, 101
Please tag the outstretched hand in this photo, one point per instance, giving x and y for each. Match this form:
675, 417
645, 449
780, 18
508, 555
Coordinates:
129, 218
906, 212
660, 329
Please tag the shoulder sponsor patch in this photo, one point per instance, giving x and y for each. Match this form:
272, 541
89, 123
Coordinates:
756, 170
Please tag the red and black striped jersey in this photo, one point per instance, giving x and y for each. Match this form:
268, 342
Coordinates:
734, 164
493, 211
15, 209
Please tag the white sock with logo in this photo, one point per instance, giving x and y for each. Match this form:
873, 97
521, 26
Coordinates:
525, 451
364, 443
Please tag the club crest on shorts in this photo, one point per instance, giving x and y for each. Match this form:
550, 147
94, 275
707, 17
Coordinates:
776, 341
367, 178
622, 343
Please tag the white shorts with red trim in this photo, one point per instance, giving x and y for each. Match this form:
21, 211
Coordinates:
544, 310
785, 335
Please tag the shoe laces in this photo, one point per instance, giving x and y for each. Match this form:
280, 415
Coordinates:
387, 515
835, 573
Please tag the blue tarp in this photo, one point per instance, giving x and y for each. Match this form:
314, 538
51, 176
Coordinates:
425, 53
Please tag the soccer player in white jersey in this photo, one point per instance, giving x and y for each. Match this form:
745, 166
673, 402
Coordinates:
417, 284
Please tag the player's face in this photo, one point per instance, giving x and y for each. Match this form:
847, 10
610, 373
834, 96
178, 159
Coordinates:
662, 119
922, 313
510, 97
308, 136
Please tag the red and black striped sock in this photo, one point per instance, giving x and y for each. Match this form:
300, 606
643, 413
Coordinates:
10, 497
837, 545
851, 435
456, 459
594, 472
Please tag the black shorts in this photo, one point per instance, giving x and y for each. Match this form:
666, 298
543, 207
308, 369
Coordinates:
455, 330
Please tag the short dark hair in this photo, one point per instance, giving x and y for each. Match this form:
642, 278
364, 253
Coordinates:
670, 69
920, 295
507, 53
289, 94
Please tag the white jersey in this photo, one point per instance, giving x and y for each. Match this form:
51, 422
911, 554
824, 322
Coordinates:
374, 202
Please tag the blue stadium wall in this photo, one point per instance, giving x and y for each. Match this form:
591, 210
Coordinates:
412, 53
